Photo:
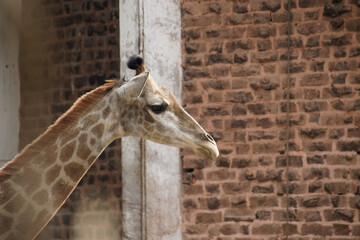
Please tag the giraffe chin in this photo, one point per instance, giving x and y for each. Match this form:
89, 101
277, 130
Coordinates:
208, 151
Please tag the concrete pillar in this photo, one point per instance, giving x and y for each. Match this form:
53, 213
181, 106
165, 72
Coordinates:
9, 79
151, 172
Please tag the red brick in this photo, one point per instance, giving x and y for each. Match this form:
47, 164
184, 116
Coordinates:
244, 44
264, 44
238, 97
312, 216
240, 7
280, 215
316, 229
261, 31
238, 215
266, 56
263, 215
353, 25
341, 159
313, 132
259, 5
283, 43
352, 145
337, 187
193, 189
311, 28
195, 229
229, 229
261, 18
235, 187
294, 161
221, 174
314, 79
312, 15
200, 21
216, 8
271, 147
237, 19
266, 229
356, 230
341, 229
243, 71
339, 215
315, 201
263, 189
295, 67
332, 40
206, 217
342, 66
238, 202
263, 201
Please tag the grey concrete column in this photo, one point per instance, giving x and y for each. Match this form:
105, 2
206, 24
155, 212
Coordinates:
9, 79
151, 172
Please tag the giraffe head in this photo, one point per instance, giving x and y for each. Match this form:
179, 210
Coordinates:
153, 113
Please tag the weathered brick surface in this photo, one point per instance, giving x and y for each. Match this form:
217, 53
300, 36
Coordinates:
235, 64
68, 48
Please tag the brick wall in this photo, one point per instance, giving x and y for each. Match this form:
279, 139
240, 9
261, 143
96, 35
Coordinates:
234, 57
69, 47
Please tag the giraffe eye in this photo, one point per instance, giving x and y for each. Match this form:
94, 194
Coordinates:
157, 109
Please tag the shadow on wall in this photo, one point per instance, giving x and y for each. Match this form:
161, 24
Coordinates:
68, 48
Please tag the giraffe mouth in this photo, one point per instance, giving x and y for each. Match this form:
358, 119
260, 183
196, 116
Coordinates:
204, 148
208, 150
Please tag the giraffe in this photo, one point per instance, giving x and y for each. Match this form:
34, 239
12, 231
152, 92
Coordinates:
36, 183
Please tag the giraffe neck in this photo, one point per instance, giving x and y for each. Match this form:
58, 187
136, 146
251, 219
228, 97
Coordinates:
35, 184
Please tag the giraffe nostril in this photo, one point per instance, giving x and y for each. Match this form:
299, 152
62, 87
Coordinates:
208, 137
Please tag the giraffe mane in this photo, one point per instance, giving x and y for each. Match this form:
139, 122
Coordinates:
79, 108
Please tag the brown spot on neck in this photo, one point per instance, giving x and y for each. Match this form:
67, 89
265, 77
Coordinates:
106, 112
83, 150
60, 191
75, 171
67, 151
41, 197
98, 130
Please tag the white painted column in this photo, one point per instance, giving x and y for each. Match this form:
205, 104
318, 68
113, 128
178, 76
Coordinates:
151, 191
9, 79
162, 52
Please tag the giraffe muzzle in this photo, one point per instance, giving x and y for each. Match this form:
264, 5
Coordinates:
208, 147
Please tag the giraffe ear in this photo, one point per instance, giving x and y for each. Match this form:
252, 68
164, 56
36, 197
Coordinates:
134, 87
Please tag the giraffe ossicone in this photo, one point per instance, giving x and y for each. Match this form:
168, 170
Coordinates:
35, 184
